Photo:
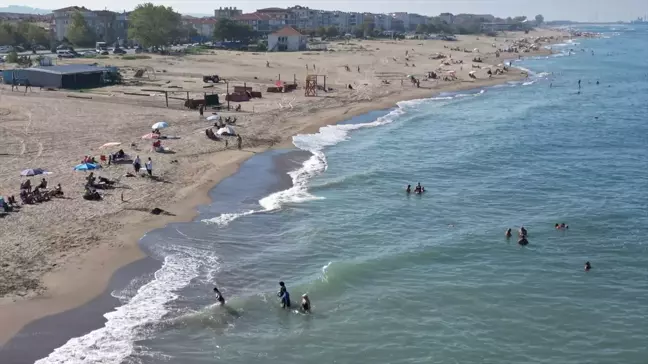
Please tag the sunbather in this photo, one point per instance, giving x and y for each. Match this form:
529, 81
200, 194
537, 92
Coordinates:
43, 184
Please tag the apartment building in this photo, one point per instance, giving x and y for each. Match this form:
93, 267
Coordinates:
107, 25
227, 12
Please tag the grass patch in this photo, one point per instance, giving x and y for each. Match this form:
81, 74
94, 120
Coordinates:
134, 57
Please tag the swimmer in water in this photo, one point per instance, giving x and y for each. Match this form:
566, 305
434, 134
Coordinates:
305, 303
523, 241
508, 233
588, 266
557, 226
409, 189
219, 296
284, 295
523, 232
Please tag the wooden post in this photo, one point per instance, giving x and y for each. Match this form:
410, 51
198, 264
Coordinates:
280, 77
187, 95
166, 97
227, 97
325, 83
294, 79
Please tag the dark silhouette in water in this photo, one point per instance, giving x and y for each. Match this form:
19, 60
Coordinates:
588, 266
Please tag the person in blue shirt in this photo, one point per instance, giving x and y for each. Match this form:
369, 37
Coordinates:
284, 295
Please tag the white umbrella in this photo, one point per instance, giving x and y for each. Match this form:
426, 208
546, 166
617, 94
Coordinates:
226, 130
108, 145
471, 72
160, 125
213, 117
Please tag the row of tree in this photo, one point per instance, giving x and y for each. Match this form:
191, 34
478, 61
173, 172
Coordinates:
23, 34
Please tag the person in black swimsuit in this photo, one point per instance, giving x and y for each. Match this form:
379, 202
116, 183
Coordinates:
219, 296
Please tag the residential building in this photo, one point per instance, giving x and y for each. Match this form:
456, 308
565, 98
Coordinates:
107, 25
227, 12
203, 26
410, 21
287, 39
355, 20
447, 17
279, 18
304, 17
383, 21
472, 18
340, 20
258, 22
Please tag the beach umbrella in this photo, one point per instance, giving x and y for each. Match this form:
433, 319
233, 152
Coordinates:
471, 72
108, 145
86, 167
212, 117
151, 136
227, 130
160, 125
33, 172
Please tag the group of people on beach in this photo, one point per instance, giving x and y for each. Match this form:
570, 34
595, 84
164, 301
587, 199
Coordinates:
284, 296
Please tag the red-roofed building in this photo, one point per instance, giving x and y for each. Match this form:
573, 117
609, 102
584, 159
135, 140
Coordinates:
287, 39
203, 26
258, 22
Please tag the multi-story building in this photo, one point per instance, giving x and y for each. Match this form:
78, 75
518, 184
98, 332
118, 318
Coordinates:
410, 21
203, 26
227, 12
355, 20
279, 17
107, 25
383, 21
340, 20
258, 22
447, 17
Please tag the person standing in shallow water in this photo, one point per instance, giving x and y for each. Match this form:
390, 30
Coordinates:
219, 296
508, 233
588, 266
284, 295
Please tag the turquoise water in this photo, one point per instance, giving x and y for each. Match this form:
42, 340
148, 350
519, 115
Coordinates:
397, 278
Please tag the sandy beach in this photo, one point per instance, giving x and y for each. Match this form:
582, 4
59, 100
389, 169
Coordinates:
59, 254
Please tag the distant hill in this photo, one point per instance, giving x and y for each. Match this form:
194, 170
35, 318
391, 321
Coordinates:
19, 9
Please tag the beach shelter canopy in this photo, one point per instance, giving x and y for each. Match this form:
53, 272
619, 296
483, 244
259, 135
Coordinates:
150, 136
160, 125
227, 130
33, 172
212, 117
108, 145
86, 167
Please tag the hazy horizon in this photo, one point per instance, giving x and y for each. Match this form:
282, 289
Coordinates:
576, 10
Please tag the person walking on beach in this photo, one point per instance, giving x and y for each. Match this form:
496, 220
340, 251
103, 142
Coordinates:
579, 84
284, 295
201, 110
149, 167
137, 164
239, 141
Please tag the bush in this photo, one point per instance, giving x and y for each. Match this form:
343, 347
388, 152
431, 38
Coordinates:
134, 57
91, 55
12, 57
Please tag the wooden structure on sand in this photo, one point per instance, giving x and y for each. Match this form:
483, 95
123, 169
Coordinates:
311, 84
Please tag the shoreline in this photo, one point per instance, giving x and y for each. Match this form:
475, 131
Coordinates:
99, 264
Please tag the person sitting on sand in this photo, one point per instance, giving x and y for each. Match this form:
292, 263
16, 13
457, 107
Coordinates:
26, 185
43, 184
219, 296
156, 131
305, 303
508, 233
284, 295
58, 191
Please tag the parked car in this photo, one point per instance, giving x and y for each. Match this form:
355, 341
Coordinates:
138, 49
119, 51
65, 54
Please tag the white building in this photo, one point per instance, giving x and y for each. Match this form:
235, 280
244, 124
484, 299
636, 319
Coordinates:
287, 39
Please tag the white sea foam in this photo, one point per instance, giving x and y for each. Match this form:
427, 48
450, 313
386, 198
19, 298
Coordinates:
313, 166
115, 341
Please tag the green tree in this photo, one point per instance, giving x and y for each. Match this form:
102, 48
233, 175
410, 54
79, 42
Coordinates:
7, 34
37, 35
368, 28
539, 19
332, 32
154, 26
357, 32
228, 29
421, 29
79, 33
321, 31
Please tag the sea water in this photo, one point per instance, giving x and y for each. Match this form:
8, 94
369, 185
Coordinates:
398, 278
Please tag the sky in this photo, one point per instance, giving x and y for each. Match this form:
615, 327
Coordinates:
577, 10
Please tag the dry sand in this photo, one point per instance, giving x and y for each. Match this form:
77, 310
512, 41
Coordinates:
59, 254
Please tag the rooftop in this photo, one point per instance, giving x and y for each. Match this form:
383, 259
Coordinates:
69, 69
252, 16
286, 31
69, 8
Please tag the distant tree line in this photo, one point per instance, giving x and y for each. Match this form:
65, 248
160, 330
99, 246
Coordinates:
23, 34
